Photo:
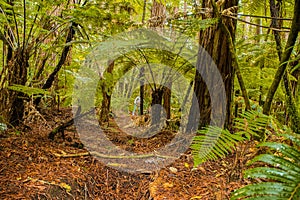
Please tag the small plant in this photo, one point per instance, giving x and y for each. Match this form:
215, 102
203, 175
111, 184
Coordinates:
213, 143
282, 173
3, 127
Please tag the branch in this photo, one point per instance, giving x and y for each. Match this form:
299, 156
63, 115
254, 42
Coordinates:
61, 128
130, 156
264, 17
258, 25
295, 28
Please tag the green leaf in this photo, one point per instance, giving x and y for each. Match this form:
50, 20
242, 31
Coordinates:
30, 91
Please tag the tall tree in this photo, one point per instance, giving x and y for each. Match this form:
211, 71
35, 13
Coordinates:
281, 71
215, 43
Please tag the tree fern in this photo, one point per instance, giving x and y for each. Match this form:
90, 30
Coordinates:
283, 173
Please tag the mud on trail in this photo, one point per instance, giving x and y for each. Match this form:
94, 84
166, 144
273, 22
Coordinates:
34, 167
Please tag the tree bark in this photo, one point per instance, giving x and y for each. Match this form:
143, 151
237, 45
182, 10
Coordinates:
156, 105
285, 57
62, 60
106, 94
215, 43
17, 75
142, 88
167, 99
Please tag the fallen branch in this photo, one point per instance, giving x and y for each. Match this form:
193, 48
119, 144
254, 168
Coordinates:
131, 156
94, 153
61, 128
71, 155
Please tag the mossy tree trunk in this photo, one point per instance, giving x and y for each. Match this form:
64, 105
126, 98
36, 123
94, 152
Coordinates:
13, 101
106, 89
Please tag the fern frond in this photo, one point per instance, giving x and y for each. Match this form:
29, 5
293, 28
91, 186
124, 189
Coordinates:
30, 91
283, 173
252, 123
212, 143
264, 190
254, 6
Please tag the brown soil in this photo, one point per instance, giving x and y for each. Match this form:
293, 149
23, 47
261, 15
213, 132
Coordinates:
34, 167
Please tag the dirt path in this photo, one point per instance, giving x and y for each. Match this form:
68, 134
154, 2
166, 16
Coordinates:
31, 168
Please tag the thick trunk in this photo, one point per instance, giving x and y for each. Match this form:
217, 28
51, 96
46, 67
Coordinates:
12, 102
156, 105
215, 43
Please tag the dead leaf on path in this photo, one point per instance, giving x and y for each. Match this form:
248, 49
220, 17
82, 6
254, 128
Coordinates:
196, 197
168, 185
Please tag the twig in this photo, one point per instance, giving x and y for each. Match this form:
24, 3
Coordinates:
64, 155
258, 25
264, 17
61, 128
130, 156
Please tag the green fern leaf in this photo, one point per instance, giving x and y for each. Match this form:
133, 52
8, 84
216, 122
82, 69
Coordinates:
283, 175
271, 173
213, 143
252, 123
285, 149
30, 91
277, 161
272, 189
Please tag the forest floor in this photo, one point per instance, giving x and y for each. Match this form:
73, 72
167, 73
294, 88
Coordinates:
34, 167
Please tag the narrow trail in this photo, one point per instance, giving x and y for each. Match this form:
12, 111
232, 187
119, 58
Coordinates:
30, 168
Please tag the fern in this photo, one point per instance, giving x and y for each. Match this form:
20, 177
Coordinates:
252, 123
3, 127
213, 143
283, 173
30, 91
254, 6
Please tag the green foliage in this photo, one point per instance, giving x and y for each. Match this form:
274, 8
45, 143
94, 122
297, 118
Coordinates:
192, 26
253, 6
29, 91
258, 62
213, 143
282, 172
3, 127
253, 123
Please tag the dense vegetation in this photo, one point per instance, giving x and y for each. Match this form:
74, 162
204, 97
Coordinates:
48, 48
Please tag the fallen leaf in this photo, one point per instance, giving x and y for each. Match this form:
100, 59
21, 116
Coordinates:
173, 169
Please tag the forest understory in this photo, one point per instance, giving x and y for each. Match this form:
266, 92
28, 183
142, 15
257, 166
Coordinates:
35, 167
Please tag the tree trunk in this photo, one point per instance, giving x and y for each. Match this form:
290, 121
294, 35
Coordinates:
158, 15
167, 100
285, 57
61, 62
142, 88
215, 43
12, 101
106, 94
156, 105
